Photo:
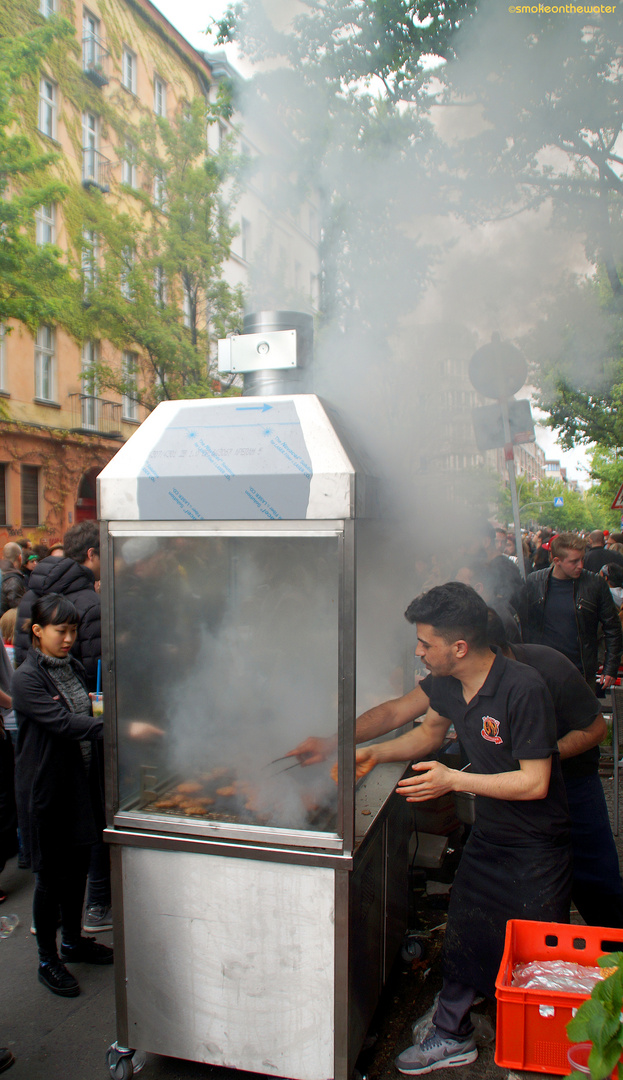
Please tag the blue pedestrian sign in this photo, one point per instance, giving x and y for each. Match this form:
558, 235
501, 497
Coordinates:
559, 501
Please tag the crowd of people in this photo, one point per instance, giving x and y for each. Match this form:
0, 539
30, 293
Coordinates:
51, 764
516, 666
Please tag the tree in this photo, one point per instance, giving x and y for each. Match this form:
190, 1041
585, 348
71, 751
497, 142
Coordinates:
35, 281
548, 90
536, 503
347, 79
156, 289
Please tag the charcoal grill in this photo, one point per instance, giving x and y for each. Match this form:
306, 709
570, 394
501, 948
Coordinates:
232, 582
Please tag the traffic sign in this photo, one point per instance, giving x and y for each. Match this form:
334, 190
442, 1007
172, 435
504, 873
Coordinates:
618, 500
559, 501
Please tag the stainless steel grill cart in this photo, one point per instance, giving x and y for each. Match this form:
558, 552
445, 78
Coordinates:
257, 908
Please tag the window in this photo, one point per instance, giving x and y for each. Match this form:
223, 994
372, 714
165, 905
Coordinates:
129, 404
222, 134
47, 107
90, 161
89, 260
313, 225
89, 411
3, 372
45, 218
128, 168
160, 191
90, 40
187, 308
160, 97
160, 286
30, 495
47, 8
128, 70
313, 289
44, 364
245, 236
3, 510
127, 262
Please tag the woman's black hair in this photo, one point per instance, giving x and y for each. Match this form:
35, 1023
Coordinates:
53, 609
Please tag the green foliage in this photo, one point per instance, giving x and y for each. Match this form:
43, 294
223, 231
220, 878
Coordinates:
133, 254
598, 1020
536, 504
35, 283
159, 286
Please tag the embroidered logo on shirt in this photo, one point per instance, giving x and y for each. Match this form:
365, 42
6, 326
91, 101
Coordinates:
491, 730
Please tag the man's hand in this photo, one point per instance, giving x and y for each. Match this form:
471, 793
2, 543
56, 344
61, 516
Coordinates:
431, 780
314, 750
365, 759
606, 681
142, 731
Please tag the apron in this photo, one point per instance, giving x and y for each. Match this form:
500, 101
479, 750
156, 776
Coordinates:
494, 883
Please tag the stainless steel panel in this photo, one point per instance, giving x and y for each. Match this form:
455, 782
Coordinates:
230, 962
226, 528
204, 845
366, 914
215, 830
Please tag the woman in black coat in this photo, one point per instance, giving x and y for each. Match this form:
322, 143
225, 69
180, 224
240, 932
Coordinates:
57, 788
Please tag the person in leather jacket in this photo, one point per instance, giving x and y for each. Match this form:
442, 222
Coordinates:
566, 606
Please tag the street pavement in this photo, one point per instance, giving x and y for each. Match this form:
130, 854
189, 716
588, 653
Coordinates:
57, 1038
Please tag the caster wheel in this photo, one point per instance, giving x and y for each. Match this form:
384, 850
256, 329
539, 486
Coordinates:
120, 1066
413, 948
123, 1070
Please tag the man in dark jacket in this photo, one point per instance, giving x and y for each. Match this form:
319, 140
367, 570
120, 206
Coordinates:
13, 579
597, 554
73, 576
567, 604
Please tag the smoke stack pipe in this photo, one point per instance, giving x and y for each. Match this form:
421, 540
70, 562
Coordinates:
298, 380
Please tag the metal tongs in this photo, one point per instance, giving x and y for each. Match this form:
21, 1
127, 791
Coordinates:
286, 757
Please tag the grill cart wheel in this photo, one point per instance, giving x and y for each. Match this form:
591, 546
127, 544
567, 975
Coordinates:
123, 1063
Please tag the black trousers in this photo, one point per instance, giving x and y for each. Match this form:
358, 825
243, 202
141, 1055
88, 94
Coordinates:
61, 883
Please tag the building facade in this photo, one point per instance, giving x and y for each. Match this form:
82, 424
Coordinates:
58, 426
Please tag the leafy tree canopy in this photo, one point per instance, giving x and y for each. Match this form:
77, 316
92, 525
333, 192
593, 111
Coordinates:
35, 283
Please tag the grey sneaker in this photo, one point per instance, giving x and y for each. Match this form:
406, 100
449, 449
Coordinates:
97, 917
436, 1052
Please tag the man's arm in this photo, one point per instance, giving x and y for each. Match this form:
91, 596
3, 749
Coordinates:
424, 739
432, 779
370, 725
577, 741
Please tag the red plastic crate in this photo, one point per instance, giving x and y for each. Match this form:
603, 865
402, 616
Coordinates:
531, 1024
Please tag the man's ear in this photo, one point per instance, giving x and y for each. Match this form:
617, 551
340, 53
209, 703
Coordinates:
461, 649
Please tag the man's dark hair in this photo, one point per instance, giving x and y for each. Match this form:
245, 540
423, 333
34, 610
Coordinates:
81, 537
496, 634
454, 610
617, 538
614, 573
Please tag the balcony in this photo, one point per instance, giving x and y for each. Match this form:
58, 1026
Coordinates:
95, 59
95, 415
95, 169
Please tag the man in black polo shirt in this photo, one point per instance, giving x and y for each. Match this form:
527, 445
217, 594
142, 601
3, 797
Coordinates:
597, 554
516, 863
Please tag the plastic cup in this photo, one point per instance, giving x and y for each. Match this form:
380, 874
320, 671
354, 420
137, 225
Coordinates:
578, 1057
97, 702
8, 924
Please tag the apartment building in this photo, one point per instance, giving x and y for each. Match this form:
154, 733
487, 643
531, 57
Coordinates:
58, 428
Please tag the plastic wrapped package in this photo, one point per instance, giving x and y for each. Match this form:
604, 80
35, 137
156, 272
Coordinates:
558, 975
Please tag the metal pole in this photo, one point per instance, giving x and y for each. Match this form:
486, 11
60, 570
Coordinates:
509, 454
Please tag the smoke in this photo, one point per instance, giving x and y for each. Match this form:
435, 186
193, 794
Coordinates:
442, 223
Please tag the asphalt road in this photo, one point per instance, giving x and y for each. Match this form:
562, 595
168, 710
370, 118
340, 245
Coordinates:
66, 1039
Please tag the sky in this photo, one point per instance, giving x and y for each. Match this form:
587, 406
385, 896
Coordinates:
192, 20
